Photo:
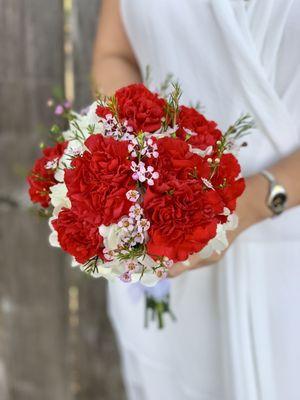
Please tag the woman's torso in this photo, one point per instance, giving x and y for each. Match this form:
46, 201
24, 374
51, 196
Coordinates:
233, 59
208, 45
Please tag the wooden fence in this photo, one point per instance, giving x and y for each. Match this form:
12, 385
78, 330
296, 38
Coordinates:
55, 339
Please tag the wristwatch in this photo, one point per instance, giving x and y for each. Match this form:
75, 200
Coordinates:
277, 195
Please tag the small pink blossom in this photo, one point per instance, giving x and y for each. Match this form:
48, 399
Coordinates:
134, 147
132, 195
67, 105
135, 211
127, 224
139, 171
150, 175
127, 136
126, 238
131, 265
147, 148
115, 129
138, 238
143, 225
143, 174
166, 262
126, 277
59, 110
151, 149
161, 273
108, 254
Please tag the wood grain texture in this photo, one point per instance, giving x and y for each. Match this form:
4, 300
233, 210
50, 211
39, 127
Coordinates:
99, 370
33, 296
46, 352
84, 25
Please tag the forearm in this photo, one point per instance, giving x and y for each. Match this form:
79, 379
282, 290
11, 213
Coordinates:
253, 202
114, 63
111, 72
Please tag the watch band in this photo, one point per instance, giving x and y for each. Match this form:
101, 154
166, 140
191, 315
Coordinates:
269, 176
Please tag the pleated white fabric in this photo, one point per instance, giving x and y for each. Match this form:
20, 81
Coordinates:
237, 333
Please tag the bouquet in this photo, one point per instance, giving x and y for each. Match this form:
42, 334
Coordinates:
138, 182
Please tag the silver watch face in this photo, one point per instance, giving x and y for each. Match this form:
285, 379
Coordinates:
278, 198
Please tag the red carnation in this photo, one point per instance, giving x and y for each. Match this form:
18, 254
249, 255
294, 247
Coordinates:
206, 131
226, 180
176, 160
98, 182
183, 218
41, 177
77, 236
102, 111
142, 109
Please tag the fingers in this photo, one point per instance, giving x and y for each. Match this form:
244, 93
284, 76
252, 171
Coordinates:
194, 262
176, 270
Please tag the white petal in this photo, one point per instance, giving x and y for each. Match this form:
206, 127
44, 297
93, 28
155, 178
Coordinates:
53, 237
74, 263
149, 279
59, 175
232, 222
201, 153
147, 261
111, 236
58, 196
206, 252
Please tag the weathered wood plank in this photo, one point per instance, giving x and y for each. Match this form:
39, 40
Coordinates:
97, 364
84, 25
33, 296
99, 371
33, 311
44, 353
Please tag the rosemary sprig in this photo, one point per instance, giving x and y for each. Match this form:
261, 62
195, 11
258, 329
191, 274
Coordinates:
91, 266
148, 78
240, 128
165, 85
134, 252
172, 107
112, 104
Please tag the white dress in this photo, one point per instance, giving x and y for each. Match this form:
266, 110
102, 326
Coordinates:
237, 335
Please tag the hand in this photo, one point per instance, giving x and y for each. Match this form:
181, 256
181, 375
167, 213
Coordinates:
195, 261
251, 209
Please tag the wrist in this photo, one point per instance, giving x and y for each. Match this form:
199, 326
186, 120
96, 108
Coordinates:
251, 207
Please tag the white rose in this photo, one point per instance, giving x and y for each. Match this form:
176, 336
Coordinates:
79, 130
92, 119
88, 123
